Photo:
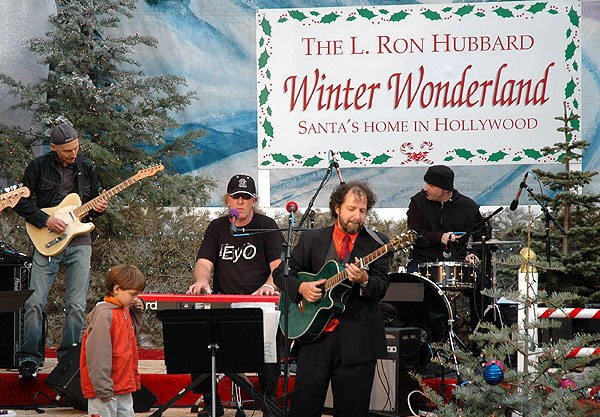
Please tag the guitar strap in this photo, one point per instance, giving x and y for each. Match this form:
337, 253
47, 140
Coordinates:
374, 235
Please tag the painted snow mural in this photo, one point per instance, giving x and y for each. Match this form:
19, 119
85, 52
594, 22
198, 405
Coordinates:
213, 45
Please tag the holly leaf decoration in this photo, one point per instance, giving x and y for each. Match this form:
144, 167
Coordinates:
297, 156
481, 151
366, 13
268, 128
282, 159
366, 154
381, 159
431, 15
265, 163
266, 27
502, 12
312, 161
570, 50
537, 7
331, 17
497, 156
464, 153
348, 156
573, 17
264, 96
263, 144
295, 14
448, 158
517, 159
262, 60
464, 10
399, 16
570, 88
532, 153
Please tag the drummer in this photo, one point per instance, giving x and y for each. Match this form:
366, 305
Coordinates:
441, 215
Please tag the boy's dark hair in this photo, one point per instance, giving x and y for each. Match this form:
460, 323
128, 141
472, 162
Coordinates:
360, 188
127, 277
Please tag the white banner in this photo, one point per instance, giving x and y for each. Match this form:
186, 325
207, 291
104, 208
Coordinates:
459, 84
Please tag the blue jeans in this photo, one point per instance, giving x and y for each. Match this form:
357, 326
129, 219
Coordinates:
76, 263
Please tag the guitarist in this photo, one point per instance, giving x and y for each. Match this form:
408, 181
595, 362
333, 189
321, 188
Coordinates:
346, 352
51, 177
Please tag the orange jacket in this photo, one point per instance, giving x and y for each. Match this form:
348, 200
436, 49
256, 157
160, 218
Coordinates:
109, 355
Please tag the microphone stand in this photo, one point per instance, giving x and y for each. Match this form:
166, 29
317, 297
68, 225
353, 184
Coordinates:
286, 255
286, 301
547, 218
324, 181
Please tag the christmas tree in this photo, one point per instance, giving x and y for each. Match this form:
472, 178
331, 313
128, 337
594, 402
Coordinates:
121, 115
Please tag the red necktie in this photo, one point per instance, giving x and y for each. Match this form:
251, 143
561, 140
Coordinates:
345, 250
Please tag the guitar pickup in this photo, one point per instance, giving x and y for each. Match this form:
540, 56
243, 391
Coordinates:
55, 241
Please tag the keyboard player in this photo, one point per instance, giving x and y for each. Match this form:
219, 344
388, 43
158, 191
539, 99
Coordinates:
239, 264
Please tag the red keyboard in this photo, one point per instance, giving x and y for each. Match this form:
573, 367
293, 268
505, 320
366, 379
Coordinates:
156, 301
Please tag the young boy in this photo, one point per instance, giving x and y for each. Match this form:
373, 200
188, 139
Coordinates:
109, 355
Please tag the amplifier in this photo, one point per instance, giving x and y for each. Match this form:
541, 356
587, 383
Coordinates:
392, 383
12, 278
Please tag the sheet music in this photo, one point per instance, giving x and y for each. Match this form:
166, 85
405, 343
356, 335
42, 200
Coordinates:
270, 326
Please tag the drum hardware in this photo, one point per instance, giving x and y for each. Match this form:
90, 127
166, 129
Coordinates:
494, 307
422, 303
452, 276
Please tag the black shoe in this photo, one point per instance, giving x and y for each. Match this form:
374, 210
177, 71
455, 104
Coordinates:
28, 370
207, 409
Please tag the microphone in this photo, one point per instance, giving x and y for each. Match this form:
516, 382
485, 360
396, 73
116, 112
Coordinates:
291, 207
233, 216
515, 202
337, 167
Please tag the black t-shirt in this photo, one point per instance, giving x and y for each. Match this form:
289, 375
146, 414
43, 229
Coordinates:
241, 263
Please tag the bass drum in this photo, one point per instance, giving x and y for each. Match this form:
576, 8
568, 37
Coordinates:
420, 303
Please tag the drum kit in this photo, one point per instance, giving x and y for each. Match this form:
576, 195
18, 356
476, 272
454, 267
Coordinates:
425, 299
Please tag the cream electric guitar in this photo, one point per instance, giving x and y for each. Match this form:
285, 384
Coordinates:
71, 212
11, 198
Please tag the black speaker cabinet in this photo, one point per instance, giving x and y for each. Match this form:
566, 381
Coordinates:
13, 277
65, 380
392, 384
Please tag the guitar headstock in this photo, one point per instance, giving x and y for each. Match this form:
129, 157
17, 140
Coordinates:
404, 241
11, 198
148, 172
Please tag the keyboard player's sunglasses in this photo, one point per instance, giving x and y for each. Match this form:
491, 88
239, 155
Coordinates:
245, 196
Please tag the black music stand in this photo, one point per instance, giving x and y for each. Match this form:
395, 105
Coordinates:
207, 341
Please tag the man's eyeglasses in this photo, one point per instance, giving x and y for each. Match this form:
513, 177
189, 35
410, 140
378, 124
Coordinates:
245, 196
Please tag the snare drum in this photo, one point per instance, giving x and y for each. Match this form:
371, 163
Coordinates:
450, 275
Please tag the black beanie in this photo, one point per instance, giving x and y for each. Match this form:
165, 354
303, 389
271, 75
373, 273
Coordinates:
440, 176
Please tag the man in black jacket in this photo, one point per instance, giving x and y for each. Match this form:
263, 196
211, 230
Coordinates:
51, 177
439, 214
346, 351
437, 211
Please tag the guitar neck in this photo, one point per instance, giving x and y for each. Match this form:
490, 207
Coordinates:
84, 209
342, 275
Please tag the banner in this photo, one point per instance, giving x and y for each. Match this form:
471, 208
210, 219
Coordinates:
458, 84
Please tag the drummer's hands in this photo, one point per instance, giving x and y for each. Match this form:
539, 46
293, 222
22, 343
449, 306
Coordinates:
472, 258
449, 237
311, 291
356, 274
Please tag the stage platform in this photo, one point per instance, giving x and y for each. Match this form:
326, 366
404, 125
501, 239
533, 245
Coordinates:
18, 395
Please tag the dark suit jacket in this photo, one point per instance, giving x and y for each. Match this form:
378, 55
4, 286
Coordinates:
361, 326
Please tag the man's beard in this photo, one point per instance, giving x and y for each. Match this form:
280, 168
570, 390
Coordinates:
350, 227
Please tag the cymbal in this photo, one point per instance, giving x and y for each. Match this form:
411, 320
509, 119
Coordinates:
496, 242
